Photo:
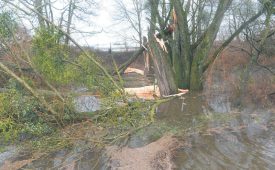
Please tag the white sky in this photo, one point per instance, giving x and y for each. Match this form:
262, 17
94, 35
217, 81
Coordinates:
105, 30
104, 21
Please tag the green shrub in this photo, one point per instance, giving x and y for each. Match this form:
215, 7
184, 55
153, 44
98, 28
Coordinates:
36, 129
18, 107
19, 114
52, 59
8, 129
49, 55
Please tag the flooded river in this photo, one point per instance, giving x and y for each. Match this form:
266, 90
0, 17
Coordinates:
236, 140
210, 140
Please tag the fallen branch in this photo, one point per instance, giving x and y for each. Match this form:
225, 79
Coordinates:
52, 112
124, 66
182, 92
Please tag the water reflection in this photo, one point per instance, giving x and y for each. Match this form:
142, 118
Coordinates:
232, 140
69, 159
242, 140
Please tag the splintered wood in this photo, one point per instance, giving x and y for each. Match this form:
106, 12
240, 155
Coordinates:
134, 70
146, 92
151, 92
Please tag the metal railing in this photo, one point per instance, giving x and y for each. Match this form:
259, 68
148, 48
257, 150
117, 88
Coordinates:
116, 49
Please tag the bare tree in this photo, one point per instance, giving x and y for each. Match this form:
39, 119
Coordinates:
64, 15
132, 14
77, 9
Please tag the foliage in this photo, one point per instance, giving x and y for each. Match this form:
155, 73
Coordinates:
31, 113
22, 116
54, 62
8, 129
49, 144
91, 76
49, 55
18, 107
19, 114
124, 115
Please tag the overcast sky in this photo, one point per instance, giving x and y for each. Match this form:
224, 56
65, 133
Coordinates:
109, 28
102, 22
105, 29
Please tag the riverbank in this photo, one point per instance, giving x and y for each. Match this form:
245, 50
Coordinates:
184, 135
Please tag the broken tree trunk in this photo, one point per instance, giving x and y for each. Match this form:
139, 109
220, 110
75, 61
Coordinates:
162, 69
125, 65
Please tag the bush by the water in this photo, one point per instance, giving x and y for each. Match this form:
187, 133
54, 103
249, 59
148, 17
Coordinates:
19, 115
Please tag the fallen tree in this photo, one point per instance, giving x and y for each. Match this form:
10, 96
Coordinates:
125, 65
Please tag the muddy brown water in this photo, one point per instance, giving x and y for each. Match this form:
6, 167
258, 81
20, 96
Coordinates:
235, 140
212, 140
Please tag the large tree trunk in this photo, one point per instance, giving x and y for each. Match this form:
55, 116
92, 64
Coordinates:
162, 69
180, 47
186, 59
202, 50
162, 65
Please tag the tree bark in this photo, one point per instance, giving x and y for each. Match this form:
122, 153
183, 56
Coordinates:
181, 48
162, 66
162, 69
206, 42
